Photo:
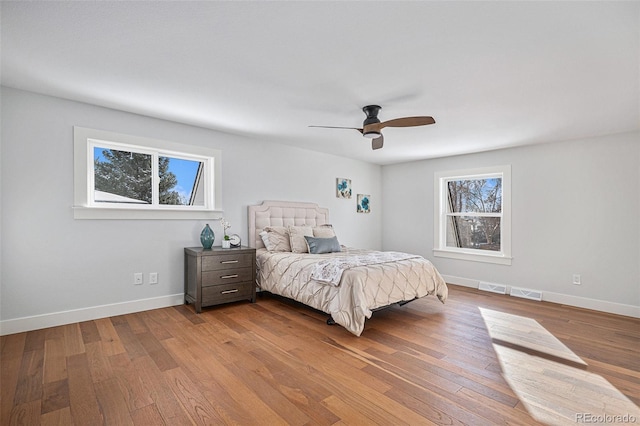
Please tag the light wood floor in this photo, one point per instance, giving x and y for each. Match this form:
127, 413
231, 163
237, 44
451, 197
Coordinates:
277, 362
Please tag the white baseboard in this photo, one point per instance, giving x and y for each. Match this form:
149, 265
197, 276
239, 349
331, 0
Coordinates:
466, 282
595, 304
565, 299
18, 325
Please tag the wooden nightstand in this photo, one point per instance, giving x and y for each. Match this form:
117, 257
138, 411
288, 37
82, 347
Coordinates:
218, 275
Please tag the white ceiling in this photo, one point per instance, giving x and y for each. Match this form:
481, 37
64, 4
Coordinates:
492, 74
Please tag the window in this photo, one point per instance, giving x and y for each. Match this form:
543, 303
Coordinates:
473, 215
128, 177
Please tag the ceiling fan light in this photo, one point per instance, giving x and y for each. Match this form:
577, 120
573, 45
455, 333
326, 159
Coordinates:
371, 135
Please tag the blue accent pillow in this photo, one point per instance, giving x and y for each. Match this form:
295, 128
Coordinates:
322, 245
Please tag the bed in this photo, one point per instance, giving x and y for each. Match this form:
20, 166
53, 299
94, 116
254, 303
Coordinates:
348, 284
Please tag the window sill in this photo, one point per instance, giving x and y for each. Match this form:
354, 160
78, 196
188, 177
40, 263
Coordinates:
498, 259
81, 212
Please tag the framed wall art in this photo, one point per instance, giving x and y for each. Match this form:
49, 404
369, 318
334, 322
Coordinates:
343, 188
364, 203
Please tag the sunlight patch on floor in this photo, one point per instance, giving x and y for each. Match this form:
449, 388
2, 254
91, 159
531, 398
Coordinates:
549, 379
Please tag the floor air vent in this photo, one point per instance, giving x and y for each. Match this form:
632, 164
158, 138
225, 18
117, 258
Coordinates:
526, 293
494, 288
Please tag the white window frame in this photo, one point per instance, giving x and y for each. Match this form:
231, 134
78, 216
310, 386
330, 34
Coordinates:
85, 206
503, 257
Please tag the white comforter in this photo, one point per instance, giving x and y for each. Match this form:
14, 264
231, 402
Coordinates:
361, 288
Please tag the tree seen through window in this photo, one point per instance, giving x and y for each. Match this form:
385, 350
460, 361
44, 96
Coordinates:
474, 210
126, 177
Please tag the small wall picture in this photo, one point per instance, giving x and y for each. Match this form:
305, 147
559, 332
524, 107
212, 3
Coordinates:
343, 188
363, 203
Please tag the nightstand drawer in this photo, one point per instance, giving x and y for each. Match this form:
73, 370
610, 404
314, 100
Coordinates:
216, 294
226, 261
226, 276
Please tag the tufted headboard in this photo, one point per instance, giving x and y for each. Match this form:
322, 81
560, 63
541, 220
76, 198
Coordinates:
283, 213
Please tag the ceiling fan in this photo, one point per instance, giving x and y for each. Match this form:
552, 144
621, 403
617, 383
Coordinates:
372, 126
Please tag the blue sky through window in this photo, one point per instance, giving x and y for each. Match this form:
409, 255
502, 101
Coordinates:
185, 171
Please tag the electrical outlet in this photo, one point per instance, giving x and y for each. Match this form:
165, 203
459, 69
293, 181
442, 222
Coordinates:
576, 279
153, 278
137, 278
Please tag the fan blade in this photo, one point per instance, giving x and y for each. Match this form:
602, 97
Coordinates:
402, 122
408, 122
377, 142
337, 127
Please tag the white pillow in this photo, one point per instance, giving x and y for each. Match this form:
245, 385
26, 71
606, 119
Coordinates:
265, 239
276, 238
296, 238
324, 231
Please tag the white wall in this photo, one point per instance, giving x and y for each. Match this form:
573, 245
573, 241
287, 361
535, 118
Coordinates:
575, 209
53, 265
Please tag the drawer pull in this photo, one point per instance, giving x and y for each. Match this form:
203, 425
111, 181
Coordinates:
225, 277
235, 290
229, 261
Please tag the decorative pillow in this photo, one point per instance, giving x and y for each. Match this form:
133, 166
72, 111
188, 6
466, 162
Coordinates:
264, 235
296, 238
322, 245
324, 231
276, 238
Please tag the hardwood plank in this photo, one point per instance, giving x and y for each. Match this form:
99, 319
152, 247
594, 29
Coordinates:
54, 333
434, 410
335, 362
55, 360
196, 405
147, 415
345, 413
73, 339
131, 343
157, 352
287, 411
89, 332
163, 397
82, 395
136, 323
306, 395
12, 344
55, 396
99, 366
11, 359
26, 414
515, 417
403, 344
189, 314
29, 385
112, 404
135, 394
155, 320
118, 319
111, 344
60, 417
35, 340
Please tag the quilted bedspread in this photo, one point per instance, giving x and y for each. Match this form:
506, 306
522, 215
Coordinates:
361, 288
